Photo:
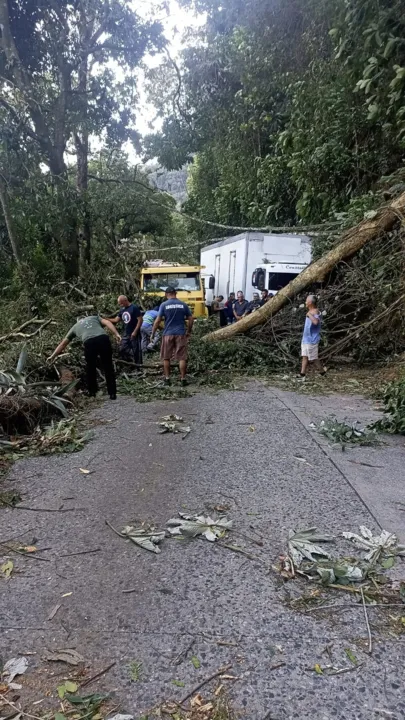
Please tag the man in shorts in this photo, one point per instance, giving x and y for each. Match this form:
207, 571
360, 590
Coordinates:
175, 314
311, 337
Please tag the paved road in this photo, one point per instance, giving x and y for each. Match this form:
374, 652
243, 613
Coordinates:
233, 608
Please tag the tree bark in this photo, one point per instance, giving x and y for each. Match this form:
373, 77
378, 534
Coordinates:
81, 137
353, 241
12, 234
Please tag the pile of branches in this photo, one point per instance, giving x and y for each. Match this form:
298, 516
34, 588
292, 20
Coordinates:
363, 303
24, 404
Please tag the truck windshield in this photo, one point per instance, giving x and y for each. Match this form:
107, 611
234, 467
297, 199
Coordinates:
280, 280
189, 282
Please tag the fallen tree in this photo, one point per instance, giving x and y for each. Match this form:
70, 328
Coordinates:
353, 240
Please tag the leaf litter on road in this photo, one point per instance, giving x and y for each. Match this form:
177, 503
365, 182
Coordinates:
341, 433
192, 526
66, 655
148, 539
173, 424
135, 670
385, 543
7, 568
15, 666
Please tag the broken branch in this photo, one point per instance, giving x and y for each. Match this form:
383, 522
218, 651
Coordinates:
98, 675
204, 682
353, 240
370, 640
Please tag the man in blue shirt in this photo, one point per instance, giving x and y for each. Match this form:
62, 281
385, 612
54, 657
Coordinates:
130, 315
241, 307
175, 314
311, 337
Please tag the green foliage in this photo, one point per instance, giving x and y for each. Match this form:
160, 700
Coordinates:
218, 363
293, 111
53, 101
343, 434
394, 408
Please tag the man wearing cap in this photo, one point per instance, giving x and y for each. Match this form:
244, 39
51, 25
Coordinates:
176, 314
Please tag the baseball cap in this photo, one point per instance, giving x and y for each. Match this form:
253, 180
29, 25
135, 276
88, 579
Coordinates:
170, 289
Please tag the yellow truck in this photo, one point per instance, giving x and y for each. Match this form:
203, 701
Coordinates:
157, 275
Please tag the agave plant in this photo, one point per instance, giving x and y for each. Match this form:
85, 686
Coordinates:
13, 382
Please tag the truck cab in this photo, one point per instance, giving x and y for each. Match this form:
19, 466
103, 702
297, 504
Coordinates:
157, 275
275, 276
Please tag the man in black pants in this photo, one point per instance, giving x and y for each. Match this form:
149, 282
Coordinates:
90, 330
131, 316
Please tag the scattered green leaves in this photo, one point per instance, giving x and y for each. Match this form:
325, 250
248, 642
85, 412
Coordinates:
178, 683
135, 670
7, 568
194, 525
351, 656
341, 433
67, 688
195, 662
394, 408
147, 538
9, 497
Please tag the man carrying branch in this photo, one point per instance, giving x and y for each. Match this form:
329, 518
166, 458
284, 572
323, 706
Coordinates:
311, 337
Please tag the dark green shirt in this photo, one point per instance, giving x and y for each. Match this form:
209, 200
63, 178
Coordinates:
88, 327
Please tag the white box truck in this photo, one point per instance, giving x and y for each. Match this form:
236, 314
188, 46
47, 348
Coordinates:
252, 262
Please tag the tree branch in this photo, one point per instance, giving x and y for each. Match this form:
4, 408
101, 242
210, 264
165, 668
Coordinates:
20, 122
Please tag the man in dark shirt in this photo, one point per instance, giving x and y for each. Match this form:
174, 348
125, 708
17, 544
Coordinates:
229, 307
255, 304
130, 315
265, 297
241, 307
175, 314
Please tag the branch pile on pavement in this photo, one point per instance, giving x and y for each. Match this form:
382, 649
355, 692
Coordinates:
24, 404
307, 558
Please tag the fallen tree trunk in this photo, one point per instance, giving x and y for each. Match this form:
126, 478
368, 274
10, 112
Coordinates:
353, 241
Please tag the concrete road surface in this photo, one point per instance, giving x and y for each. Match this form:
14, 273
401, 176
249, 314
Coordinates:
252, 452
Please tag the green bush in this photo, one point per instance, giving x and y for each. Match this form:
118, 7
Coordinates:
394, 408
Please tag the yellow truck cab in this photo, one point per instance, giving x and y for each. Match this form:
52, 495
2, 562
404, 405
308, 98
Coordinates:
157, 275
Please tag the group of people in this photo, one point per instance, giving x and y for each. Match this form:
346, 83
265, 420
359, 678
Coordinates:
237, 307
141, 332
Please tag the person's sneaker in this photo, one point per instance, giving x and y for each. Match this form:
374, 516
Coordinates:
167, 382
302, 377
183, 382
113, 396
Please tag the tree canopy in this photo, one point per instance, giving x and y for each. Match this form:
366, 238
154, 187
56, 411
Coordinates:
289, 109
68, 73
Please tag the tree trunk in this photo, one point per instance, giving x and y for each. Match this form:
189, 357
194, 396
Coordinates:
353, 241
14, 241
82, 141
82, 180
